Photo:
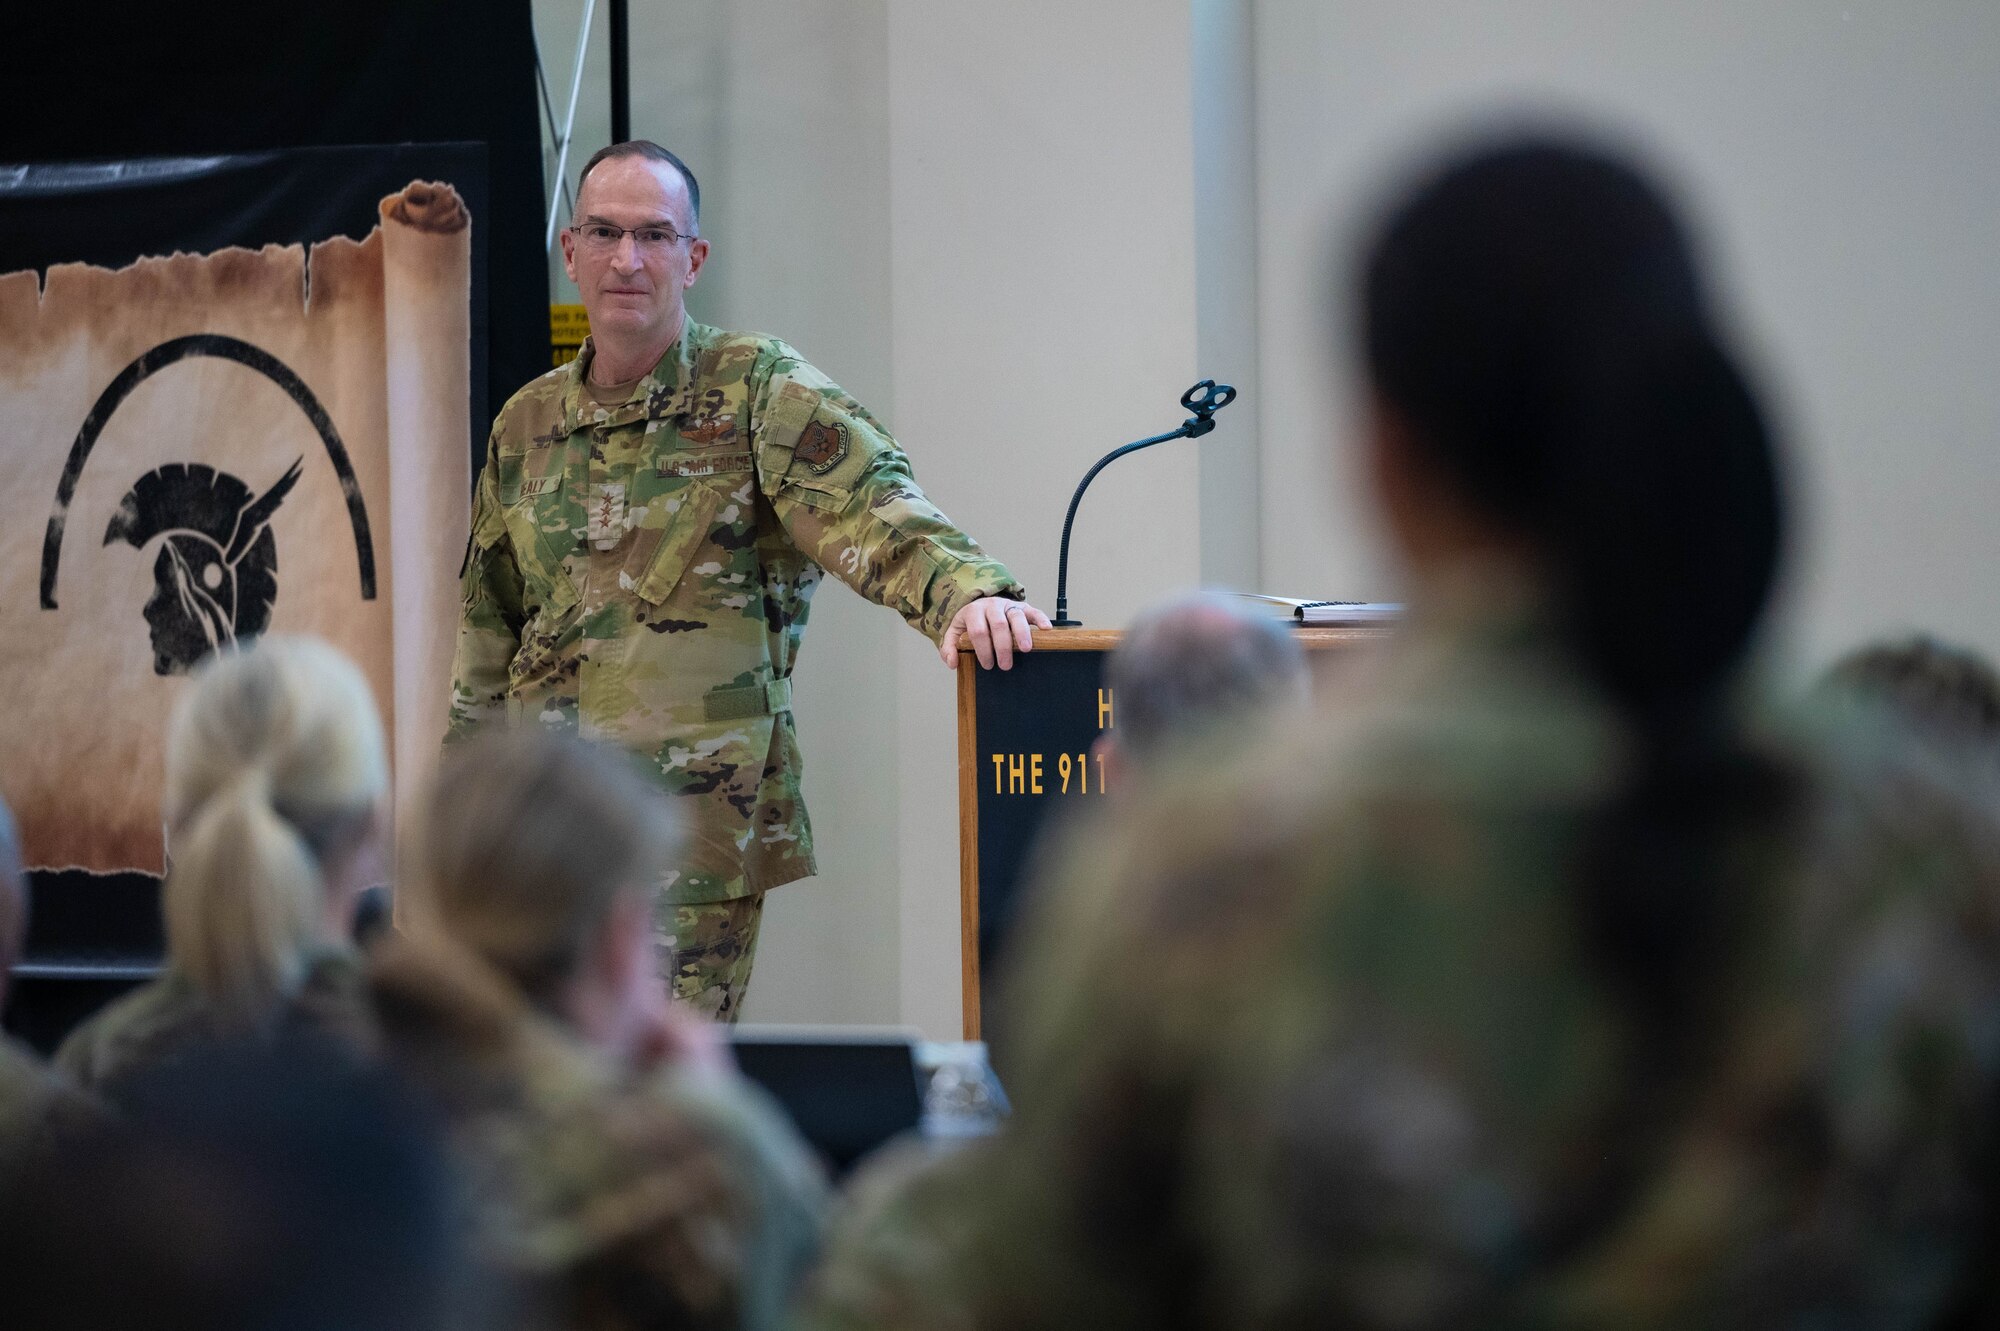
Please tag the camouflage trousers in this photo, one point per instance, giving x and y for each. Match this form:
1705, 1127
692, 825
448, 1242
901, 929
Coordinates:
705, 954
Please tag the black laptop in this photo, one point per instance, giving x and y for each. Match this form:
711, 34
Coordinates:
848, 1090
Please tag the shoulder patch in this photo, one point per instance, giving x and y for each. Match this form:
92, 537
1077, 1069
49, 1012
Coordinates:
822, 444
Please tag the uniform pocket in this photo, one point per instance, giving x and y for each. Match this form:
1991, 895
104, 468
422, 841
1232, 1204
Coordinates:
830, 499
558, 595
530, 475
685, 532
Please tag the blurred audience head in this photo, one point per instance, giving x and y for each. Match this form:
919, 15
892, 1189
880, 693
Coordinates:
1192, 670
1552, 396
1547, 375
1946, 695
271, 1188
13, 898
543, 855
276, 772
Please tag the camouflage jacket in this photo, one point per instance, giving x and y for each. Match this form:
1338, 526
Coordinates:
642, 573
1319, 1042
166, 1015
603, 1199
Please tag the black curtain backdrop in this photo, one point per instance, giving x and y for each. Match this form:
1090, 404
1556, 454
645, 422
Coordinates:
94, 934
115, 82
180, 79
110, 213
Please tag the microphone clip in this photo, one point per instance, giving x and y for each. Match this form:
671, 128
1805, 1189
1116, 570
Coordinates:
1204, 400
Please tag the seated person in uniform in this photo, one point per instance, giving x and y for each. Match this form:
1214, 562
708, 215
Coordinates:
1915, 725
1947, 696
35, 1100
276, 775
1199, 670
1530, 995
623, 1174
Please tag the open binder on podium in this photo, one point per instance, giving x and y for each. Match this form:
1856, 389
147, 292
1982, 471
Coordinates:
1329, 614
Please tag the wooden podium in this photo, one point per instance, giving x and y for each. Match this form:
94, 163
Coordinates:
1024, 738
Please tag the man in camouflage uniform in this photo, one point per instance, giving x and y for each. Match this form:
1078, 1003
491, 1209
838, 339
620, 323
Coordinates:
647, 534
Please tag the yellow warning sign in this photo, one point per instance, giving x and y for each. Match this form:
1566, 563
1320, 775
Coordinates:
568, 325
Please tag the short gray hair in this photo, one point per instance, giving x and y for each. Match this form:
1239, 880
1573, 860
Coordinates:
651, 152
1195, 664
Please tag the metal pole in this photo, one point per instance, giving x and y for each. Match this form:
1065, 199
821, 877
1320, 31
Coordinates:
549, 119
621, 70
569, 120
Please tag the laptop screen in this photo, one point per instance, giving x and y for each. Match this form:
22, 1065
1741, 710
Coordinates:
847, 1091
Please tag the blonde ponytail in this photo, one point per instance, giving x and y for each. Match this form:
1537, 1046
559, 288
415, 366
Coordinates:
274, 762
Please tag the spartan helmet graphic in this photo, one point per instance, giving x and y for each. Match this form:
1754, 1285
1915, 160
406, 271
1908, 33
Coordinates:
216, 575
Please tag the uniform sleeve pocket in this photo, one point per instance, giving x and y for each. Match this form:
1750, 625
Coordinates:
830, 499
686, 530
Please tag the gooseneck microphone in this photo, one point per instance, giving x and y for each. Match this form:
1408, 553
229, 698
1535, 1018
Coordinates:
1204, 400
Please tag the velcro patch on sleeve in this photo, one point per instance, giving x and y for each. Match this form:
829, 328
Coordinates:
822, 446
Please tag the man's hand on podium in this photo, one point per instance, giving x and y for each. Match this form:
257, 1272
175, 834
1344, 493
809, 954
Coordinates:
995, 628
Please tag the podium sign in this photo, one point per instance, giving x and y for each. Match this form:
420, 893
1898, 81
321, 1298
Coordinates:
1024, 738
1024, 758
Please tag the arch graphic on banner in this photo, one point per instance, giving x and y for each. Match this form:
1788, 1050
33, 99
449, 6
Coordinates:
158, 358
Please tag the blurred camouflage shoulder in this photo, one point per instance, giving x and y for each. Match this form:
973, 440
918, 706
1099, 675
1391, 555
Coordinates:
904, 1222
37, 1105
600, 1202
787, 1185
166, 1016
134, 1031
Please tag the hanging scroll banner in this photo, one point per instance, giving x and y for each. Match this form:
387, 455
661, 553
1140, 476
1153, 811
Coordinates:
199, 448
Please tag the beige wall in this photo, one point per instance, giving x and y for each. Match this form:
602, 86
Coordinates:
1839, 160
1019, 231
1042, 214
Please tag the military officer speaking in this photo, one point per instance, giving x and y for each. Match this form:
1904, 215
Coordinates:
647, 533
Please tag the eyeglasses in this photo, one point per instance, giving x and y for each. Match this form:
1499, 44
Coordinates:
603, 237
